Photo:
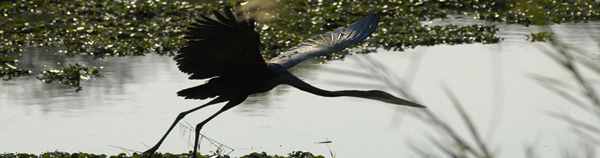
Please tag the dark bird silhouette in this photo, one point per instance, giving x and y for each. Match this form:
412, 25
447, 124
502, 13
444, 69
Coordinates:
226, 51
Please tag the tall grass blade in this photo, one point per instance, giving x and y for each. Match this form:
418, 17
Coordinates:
468, 121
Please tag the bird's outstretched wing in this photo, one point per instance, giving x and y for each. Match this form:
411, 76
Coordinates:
218, 46
329, 42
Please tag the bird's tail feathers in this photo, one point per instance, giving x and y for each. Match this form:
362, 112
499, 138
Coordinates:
198, 92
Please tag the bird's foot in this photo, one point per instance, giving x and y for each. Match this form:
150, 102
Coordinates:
149, 153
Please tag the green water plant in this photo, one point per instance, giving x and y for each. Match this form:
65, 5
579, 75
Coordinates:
8, 69
539, 37
70, 76
58, 154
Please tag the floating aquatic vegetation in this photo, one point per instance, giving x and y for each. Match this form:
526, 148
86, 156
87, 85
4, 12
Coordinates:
55, 154
527, 12
58, 154
400, 27
539, 37
8, 69
99, 28
108, 27
70, 76
122, 28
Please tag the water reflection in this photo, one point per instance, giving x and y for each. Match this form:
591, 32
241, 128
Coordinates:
105, 91
120, 75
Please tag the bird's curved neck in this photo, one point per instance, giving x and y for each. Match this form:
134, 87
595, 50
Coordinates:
285, 77
321, 92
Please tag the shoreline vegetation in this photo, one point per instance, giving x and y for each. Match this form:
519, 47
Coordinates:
57, 154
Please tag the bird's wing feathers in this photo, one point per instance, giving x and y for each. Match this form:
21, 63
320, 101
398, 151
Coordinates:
329, 42
218, 46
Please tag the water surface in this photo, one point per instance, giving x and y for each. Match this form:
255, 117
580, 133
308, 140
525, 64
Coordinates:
133, 104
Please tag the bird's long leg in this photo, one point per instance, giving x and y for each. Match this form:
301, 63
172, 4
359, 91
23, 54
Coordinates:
149, 152
229, 105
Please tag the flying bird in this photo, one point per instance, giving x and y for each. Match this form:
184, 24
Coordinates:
225, 50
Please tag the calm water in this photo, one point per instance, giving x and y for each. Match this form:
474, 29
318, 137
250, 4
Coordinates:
133, 104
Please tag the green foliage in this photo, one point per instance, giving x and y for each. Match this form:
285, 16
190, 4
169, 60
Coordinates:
70, 76
122, 28
400, 27
539, 37
57, 154
295, 154
8, 69
104, 27
526, 12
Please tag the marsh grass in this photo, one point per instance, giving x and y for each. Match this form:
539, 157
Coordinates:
580, 92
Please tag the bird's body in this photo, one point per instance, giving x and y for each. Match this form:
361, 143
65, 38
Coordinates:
232, 84
225, 51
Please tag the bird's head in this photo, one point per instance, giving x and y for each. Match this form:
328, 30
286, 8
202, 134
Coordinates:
389, 98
